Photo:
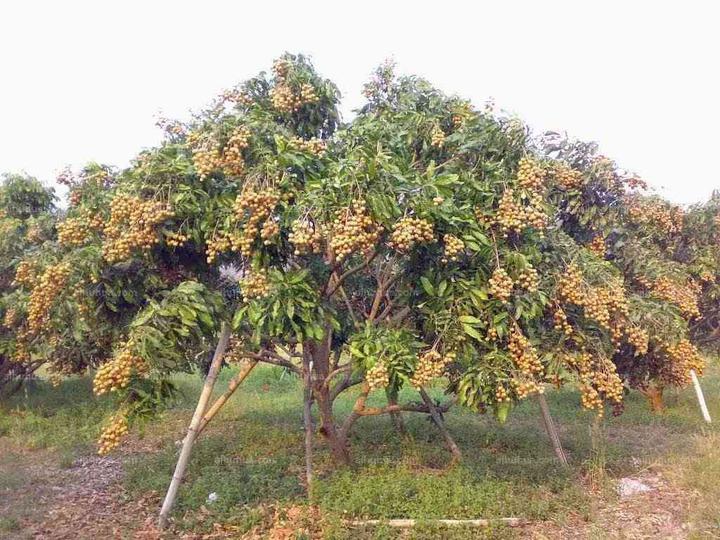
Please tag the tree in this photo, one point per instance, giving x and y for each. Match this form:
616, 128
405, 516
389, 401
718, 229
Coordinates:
424, 239
27, 221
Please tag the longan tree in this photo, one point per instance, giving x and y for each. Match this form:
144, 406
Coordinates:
27, 221
607, 211
425, 240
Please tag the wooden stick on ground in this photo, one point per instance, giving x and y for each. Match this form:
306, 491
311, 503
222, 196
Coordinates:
552, 430
194, 424
700, 396
403, 523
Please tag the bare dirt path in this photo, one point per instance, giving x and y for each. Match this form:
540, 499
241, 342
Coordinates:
40, 499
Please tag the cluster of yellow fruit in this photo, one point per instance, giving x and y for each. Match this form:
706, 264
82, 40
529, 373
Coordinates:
76, 231
530, 175
116, 374
51, 284
75, 197
684, 296
571, 286
525, 387
501, 394
286, 100
306, 237
598, 380
437, 137
501, 284
635, 182
280, 69
81, 300
409, 232
597, 246
21, 354
524, 355
312, 146
269, 230
132, 226
233, 163
684, 357
565, 176
560, 321
255, 285
638, 338
26, 273
113, 433
668, 219
10, 318
353, 230
221, 242
511, 214
254, 207
453, 248
595, 304
378, 376
529, 279
514, 216
34, 234
431, 365
175, 239
206, 158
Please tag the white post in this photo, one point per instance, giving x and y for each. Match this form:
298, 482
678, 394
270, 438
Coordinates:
700, 396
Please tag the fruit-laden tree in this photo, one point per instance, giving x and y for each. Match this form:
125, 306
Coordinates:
27, 221
423, 239
605, 210
697, 246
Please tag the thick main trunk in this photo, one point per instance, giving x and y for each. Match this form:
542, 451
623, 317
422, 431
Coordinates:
654, 395
336, 441
319, 354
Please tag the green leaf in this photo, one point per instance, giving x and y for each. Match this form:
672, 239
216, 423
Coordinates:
427, 286
470, 331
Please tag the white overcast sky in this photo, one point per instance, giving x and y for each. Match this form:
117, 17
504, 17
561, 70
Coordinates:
84, 81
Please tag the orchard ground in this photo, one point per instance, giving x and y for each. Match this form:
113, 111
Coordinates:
52, 485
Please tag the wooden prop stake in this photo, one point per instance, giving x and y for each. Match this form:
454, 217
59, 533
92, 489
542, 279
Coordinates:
182, 462
219, 402
552, 430
453, 447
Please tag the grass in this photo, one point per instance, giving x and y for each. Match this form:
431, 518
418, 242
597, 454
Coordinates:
251, 457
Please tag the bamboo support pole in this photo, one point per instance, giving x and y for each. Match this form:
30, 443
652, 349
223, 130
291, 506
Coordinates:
190, 437
219, 402
437, 418
552, 430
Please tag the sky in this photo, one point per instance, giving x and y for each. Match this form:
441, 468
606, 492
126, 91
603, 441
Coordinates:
86, 81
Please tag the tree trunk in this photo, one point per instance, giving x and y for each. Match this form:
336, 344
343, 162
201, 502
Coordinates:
654, 395
437, 418
396, 416
337, 443
307, 420
194, 424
